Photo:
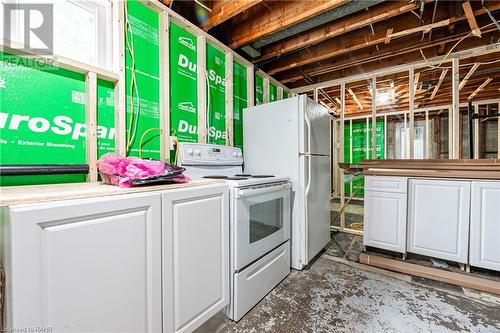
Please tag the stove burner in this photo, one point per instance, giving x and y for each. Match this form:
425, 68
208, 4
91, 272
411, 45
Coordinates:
236, 178
262, 176
243, 175
216, 177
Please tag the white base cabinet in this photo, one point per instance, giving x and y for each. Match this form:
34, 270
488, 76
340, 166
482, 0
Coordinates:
196, 257
90, 265
485, 225
155, 262
438, 218
385, 213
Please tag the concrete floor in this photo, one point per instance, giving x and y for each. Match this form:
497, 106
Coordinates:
338, 295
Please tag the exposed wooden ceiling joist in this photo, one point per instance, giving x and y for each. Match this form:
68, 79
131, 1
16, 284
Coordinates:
223, 10
336, 28
471, 18
277, 16
355, 41
406, 51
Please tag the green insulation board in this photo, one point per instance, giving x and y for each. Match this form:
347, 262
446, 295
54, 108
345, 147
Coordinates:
285, 94
183, 86
42, 118
273, 92
240, 101
216, 96
361, 145
142, 93
259, 90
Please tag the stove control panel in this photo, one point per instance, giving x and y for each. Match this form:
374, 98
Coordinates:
208, 154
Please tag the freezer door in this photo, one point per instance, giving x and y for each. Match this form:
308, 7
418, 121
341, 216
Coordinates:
315, 129
316, 203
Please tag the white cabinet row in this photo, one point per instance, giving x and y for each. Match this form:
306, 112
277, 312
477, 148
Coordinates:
155, 262
456, 220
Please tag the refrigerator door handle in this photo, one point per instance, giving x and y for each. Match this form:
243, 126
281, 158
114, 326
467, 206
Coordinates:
308, 136
306, 211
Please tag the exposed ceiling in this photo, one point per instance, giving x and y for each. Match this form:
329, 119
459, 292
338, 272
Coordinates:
305, 42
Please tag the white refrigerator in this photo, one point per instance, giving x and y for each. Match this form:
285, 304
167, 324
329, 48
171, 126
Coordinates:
291, 137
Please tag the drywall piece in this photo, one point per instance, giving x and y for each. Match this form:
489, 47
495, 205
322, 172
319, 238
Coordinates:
459, 279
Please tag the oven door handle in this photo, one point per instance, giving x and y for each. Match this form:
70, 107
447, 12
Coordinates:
251, 192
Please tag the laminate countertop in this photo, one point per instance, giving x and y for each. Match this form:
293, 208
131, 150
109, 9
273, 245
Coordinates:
458, 168
29, 194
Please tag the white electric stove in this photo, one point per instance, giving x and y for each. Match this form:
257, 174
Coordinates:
260, 217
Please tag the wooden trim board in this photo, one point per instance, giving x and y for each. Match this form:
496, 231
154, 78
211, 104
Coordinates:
459, 279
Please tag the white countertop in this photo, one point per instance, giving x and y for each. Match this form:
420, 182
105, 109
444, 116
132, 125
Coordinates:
28, 194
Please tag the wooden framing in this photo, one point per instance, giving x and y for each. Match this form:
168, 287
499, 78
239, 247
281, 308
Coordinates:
336, 28
91, 125
374, 118
201, 72
412, 88
467, 76
250, 86
265, 90
224, 10
481, 87
119, 67
341, 152
454, 151
117, 77
281, 15
471, 18
164, 87
460, 279
229, 99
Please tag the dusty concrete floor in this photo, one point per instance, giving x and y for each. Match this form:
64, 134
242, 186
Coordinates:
337, 295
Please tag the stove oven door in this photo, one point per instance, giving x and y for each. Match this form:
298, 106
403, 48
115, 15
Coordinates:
262, 216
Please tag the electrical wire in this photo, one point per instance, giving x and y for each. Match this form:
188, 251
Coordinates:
450, 51
133, 125
144, 134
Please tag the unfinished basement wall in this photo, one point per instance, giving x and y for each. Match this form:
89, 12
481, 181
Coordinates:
156, 102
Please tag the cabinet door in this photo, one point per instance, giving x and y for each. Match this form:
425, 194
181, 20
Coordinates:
438, 218
196, 256
385, 220
485, 225
90, 265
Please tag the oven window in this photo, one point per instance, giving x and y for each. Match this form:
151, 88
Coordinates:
265, 219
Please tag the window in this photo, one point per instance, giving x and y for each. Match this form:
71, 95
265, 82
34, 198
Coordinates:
82, 29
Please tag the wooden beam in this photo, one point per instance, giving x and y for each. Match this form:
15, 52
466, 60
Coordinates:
392, 55
355, 98
471, 18
440, 81
336, 28
223, 10
278, 16
469, 74
459, 279
357, 40
91, 125
481, 87
424, 28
